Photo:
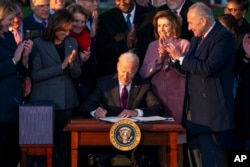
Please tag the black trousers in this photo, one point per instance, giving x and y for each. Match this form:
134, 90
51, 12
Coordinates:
206, 143
9, 145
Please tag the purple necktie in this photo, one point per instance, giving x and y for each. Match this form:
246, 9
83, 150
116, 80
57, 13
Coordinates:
124, 97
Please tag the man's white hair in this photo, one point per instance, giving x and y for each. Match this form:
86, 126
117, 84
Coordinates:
202, 10
129, 57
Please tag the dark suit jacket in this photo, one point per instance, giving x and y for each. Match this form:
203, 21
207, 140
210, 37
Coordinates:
10, 83
210, 79
50, 81
242, 105
111, 37
107, 95
31, 28
184, 30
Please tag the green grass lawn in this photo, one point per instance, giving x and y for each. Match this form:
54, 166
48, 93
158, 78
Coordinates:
217, 12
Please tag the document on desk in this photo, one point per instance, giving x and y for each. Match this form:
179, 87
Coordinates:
115, 119
153, 118
138, 119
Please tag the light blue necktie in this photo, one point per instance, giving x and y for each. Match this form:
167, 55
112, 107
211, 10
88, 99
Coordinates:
128, 21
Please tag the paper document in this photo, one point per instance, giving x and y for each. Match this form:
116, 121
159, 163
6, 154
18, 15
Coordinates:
139, 119
153, 118
115, 119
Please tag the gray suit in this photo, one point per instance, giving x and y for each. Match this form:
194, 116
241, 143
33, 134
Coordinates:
56, 85
50, 81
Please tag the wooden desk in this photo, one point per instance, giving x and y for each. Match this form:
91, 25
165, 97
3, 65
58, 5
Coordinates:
91, 132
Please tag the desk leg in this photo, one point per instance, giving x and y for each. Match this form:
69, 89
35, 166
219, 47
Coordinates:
49, 156
172, 149
74, 148
24, 157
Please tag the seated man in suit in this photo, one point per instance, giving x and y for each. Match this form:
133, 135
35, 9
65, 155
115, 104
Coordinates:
140, 101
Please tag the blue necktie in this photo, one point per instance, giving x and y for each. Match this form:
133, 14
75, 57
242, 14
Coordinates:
124, 97
128, 21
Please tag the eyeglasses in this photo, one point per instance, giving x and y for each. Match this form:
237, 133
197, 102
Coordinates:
231, 10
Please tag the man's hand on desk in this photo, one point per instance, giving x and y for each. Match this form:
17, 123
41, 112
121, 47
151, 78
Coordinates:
128, 113
100, 112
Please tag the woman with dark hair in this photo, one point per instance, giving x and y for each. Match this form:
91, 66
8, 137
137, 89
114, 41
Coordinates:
86, 81
229, 21
55, 63
13, 68
168, 83
239, 9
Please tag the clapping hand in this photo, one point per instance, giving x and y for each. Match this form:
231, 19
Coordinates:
131, 38
27, 48
18, 53
94, 23
246, 45
85, 55
69, 60
174, 52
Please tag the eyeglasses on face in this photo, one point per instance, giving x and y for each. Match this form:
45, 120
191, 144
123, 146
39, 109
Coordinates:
230, 10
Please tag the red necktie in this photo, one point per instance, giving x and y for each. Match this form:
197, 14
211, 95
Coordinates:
124, 97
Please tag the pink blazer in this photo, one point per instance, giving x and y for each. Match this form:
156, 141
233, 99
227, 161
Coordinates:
167, 82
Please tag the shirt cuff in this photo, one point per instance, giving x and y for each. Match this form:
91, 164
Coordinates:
139, 112
14, 61
92, 113
181, 59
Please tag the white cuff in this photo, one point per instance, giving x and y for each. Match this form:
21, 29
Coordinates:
139, 112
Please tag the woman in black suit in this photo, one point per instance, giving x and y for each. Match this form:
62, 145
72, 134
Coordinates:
13, 63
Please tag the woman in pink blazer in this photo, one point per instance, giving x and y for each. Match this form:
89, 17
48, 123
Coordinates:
168, 83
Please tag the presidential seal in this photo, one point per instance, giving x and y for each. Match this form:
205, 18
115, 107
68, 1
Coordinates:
125, 135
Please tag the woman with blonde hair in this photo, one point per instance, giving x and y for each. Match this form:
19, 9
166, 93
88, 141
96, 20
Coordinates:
13, 67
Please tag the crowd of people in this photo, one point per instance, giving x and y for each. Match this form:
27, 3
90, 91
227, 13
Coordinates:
135, 59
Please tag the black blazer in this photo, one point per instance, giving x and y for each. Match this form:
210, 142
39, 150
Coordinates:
210, 78
107, 95
111, 37
10, 80
185, 33
31, 28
